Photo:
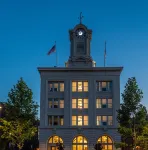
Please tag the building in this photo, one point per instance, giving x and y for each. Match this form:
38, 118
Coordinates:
79, 101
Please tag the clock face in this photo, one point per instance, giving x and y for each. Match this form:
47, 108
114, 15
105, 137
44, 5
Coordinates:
80, 33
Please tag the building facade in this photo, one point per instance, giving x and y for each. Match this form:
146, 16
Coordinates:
79, 101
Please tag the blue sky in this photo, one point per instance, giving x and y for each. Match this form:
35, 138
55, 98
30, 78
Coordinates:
28, 29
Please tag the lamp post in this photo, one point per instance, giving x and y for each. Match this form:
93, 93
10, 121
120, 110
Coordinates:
1, 110
134, 130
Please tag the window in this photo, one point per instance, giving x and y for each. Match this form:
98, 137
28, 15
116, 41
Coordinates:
79, 120
103, 103
104, 120
79, 86
55, 139
80, 143
106, 142
80, 103
56, 120
56, 102
104, 86
56, 86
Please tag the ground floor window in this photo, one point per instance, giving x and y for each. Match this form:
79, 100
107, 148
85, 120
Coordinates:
106, 142
53, 141
80, 143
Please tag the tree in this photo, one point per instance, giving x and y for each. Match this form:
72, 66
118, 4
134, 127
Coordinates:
17, 132
98, 146
132, 114
20, 103
20, 115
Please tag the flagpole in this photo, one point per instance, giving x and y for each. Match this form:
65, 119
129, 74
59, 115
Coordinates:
105, 55
56, 55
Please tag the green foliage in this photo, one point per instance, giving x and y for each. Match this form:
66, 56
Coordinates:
20, 119
120, 144
20, 103
17, 132
132, 114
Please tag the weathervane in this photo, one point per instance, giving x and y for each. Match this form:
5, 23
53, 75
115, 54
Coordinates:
81, 17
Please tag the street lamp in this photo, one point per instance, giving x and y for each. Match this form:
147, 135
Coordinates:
0, 110
134, 134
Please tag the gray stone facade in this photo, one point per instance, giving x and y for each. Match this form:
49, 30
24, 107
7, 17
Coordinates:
80, 67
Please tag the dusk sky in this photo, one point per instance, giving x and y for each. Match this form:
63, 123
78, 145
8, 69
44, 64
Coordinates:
29, 28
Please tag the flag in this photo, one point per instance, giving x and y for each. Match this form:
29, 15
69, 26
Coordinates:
53, 49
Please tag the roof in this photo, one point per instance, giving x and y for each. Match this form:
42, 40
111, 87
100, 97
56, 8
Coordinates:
68, 69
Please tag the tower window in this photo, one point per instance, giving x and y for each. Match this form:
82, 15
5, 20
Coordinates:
80, 48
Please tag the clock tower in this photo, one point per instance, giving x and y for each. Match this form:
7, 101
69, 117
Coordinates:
80, 38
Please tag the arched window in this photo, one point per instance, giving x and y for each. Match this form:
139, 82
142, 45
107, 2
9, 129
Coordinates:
53, 141
106, 142
80, 143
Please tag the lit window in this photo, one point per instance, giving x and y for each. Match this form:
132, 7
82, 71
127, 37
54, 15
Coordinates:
79, 120
74, 103
56, 86
104, 86
80, 103
85, 120
98, 103
106, 142
79, 86
80, 143
98, 120
104, 120
85, 86
74, 86
61, 103
61, 87
103, 103
109, 103
55, 139
74, 120
85, 103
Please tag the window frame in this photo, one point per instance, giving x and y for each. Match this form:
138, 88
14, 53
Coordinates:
52, 101
52, 117
77, 120
75, 88
99, 87
51, 86
101, 121
100, 105
84, 104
